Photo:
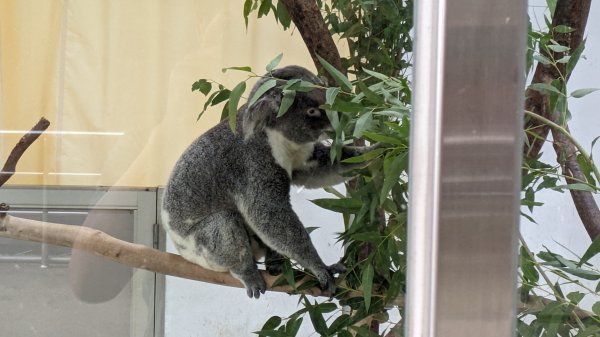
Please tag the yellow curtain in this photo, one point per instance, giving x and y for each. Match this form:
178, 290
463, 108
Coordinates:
114, 79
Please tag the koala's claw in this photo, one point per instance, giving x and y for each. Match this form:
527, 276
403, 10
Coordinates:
256, 287
326, 279
336, 268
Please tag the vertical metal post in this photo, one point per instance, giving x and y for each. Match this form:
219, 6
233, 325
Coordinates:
465, 168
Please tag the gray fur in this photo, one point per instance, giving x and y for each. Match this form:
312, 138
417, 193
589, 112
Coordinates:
229, 192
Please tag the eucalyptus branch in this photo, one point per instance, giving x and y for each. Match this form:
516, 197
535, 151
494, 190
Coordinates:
556, 293
568, 135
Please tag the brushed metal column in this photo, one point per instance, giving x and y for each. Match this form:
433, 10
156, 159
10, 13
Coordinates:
465, 168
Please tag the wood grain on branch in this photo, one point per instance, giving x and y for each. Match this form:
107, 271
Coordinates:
11, 162
308, 19
127, 253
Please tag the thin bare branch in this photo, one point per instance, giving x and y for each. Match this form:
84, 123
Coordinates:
11, 162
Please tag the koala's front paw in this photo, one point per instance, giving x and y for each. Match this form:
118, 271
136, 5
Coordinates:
326, 279
255, 286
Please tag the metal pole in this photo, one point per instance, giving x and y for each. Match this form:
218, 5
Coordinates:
465, 168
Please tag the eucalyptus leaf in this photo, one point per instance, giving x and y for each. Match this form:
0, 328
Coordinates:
339, 78
286, 102
592, 250
244, 69
274, 63
367, 284
583, 92
234, 99
266, 86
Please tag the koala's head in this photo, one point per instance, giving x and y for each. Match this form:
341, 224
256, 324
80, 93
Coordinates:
303, 122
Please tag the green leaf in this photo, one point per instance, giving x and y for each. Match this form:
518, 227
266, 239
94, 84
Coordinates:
377, 75
575, 297
576, 187
330, 95
316, 318
530, 274
339, 323
596, 308
382, 138
392, 168
583, 92
286, 102
362, 124
370, 94
575, 55
203, 86
558, 48
350, 107
542, 59
292, 326
563, 29
367, 284
245, 69
544, 88
592, 250
264, 8
365, 156
346, 205
373, 236
247, 10
266, 86
272, 323
234, 99
274, 63
339, 78
221, 96
584, 274
283, 15
288, 273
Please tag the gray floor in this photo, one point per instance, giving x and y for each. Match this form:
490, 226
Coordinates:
39, 302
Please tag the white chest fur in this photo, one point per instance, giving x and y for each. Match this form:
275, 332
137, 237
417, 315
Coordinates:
287, 153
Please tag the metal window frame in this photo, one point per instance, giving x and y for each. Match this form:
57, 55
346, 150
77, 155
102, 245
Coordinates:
465, 164
147, 302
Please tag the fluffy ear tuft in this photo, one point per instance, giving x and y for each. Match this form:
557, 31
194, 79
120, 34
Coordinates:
261, 113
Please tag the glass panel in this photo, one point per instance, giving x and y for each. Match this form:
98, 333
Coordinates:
44, 296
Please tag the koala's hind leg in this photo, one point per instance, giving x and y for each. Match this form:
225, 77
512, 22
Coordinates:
223, 240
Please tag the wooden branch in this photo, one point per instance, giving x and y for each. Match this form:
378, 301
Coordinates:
584, 201
130, 254
571, 13
308, 19
11, 163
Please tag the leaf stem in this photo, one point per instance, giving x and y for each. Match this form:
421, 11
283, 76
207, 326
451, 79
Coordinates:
570, 138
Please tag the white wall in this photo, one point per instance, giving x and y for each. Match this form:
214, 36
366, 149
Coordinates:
199, 309
558, 224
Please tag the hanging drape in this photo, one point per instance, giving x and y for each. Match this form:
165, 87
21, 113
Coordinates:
114, 79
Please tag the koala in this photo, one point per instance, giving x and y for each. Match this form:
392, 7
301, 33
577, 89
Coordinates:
227, 201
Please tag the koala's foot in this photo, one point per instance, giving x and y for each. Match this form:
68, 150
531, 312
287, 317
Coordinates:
253, 281
274, 262
326, 279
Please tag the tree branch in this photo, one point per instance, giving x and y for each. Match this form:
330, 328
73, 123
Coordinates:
574, 14
130, 254
308, 19
571, 13
11, 163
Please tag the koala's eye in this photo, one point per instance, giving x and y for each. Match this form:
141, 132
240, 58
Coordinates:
313, 112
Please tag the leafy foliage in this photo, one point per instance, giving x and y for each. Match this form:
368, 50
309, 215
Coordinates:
374, 107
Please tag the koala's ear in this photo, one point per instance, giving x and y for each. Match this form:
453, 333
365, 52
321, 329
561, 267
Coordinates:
258, 116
